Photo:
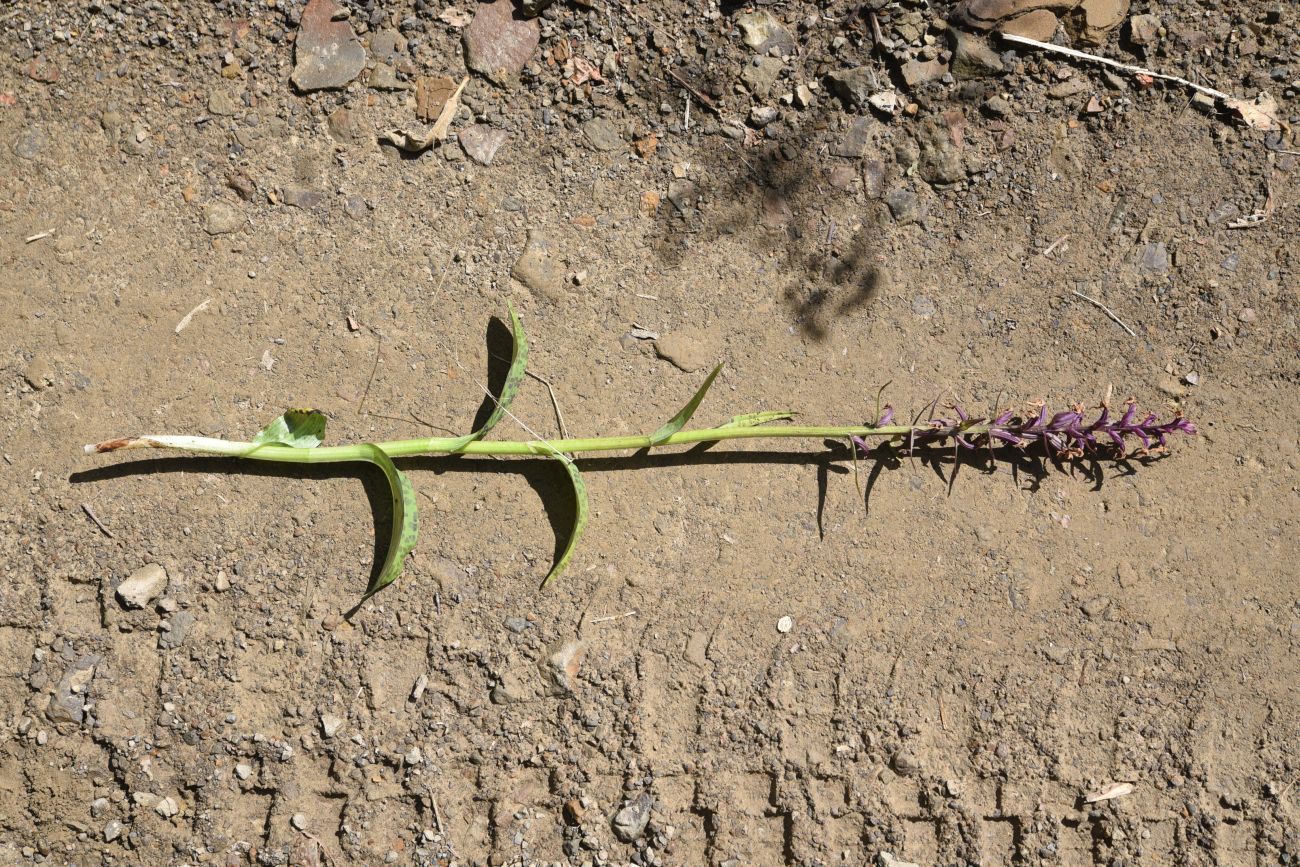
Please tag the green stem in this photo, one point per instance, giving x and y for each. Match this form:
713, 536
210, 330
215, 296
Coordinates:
539, 448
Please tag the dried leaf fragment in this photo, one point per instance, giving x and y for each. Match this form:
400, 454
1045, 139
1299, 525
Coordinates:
1259, 113
414, 142
1114, 790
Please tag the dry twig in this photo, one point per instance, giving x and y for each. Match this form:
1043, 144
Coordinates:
1104, 309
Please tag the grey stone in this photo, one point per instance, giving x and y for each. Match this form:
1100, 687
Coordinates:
331, 724
905, 763
342, 125
38, 373
903, 205
1067, 89
918, 72
516, 624
856, 140
356, 208
1144, 29
67, 704
142, 586
561, 665
760, 74
1038, 24
220, 218
972, 57
683, 194
630, 822
537, 268
602, 134
1222, 211
481, 142
924, 307
998, 106
762, 32
940, 160
1096, 606
301, 197
384, 77
180, 625
983, 14
221, 103
841, 177
387, 46
853, 86
873, 178
683, 351
1155, 258
498, 43
112, 830
327, 53
29, 144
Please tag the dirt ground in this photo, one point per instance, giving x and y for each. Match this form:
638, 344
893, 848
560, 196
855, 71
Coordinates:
967, 661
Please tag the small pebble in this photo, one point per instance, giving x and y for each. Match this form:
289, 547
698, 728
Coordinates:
785, 624
299, 821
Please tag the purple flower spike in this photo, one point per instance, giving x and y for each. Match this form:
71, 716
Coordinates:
1066, 434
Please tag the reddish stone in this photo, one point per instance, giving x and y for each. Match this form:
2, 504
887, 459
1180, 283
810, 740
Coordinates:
327, 53
498, 43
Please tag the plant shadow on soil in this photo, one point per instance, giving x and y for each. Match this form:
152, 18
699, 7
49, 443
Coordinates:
553, 488
770, 195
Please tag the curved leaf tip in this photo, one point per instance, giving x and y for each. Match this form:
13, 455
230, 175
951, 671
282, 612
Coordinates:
406, 523
684, 414
581, 512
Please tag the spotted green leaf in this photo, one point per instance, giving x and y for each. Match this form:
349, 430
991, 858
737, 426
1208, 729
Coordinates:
514, 378
679, 421
406, 525
296, 428
754, 419
579, 520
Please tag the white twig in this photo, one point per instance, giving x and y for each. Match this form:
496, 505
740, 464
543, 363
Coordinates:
38, 236
90, 513
1052, 246
613, 617
559, 416
185, 320
1104, 309
1139, 70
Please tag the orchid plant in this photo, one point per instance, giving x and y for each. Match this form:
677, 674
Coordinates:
295, 437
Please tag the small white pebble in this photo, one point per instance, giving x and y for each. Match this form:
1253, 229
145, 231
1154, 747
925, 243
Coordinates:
785, 624
299, 821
